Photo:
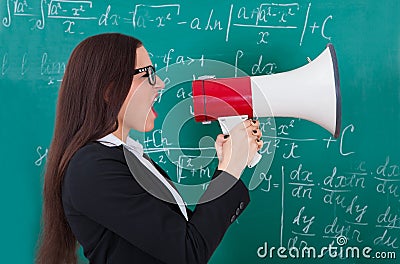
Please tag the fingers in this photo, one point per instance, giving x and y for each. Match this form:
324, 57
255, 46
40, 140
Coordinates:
255, 132
252, 123
253, 129
259, 143
221, 139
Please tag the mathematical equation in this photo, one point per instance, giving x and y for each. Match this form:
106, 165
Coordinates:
264, 18
51, 69
286, 148
348, 194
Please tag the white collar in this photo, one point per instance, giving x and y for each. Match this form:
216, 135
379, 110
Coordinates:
133, 145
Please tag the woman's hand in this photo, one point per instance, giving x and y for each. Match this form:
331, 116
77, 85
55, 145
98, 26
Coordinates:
238, 149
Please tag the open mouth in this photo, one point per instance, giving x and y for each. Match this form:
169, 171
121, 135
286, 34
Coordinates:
152, 105
154, 111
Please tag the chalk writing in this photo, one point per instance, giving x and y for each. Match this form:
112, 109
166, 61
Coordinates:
264, 19
42, 156
323, 187
388, 179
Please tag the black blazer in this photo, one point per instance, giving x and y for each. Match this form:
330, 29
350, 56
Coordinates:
117, 221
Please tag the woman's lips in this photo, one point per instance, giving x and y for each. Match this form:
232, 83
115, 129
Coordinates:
154, 111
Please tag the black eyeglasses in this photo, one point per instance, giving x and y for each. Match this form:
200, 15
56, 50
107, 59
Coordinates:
150, 73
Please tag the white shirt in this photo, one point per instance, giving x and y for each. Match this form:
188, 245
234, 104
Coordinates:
137, 149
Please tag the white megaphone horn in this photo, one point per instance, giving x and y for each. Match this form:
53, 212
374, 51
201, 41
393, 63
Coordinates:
311, 92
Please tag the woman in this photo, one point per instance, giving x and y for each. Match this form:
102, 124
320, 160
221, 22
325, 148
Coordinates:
90, 193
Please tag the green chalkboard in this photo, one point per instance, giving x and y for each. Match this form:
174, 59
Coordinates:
317, 191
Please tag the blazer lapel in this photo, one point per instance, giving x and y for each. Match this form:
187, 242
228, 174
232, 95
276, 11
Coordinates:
163, 173
149, 181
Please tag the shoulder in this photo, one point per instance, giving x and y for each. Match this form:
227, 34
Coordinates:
96, 168
94, 160
95, 154
93, 151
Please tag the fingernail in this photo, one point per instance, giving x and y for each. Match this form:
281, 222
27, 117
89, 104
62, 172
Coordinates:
226, 136
257, 140
255, 131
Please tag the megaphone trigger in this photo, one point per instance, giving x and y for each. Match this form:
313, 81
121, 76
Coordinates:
227, 123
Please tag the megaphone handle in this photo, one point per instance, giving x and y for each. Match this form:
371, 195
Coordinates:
229, 122
255, 160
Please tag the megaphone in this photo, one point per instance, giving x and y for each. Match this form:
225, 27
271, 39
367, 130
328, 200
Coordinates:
311, 92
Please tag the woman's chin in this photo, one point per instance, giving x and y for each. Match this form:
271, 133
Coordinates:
148, 129
150, 120
149, 125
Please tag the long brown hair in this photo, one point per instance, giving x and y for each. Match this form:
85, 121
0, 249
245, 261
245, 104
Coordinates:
96, 82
